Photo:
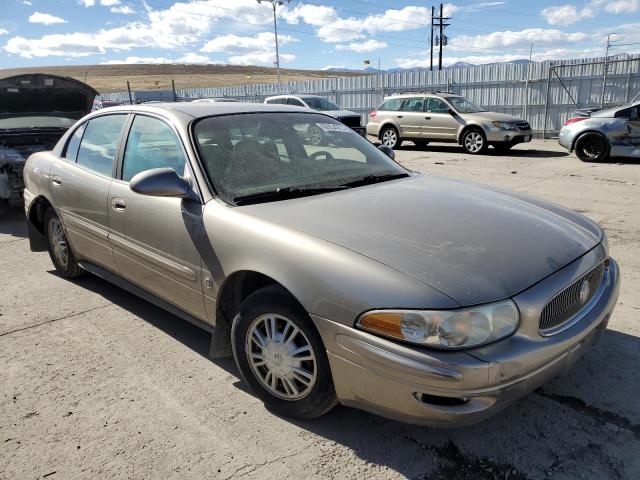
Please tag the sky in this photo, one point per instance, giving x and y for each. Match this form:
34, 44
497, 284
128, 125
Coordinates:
313, 34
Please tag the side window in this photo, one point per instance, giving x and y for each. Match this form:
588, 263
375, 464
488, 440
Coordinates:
391, 105
413, 105
151, 144
73, 144
295, 101
437, 106
100, 143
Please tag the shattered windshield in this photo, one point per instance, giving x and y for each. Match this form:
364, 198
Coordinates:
287, 153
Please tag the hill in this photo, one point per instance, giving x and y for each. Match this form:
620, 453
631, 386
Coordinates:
113, 78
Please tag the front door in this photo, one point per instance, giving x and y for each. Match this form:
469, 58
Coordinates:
439, 123
80, 183
411, 118
153, 237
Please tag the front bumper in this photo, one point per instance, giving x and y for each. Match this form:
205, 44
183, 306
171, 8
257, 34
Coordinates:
452, 388
565, 139
512, 137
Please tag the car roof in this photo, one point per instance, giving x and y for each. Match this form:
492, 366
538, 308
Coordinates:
421, 94
206, 109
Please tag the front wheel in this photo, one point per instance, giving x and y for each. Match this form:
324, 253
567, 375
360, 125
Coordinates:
60, 251
390, 137
592, 147
281, 356
474, 141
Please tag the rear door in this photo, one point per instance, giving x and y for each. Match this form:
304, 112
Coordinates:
439, 123
80, 182
153, 238
411, 118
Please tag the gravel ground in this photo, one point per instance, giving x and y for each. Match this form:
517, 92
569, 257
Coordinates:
96, 383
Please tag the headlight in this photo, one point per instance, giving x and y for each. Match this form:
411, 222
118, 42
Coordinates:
504, 125
445, 329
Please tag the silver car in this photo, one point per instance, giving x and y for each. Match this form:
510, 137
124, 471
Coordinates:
445, 117
597, 135
331, 273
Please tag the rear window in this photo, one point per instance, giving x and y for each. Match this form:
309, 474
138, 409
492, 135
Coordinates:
392, 105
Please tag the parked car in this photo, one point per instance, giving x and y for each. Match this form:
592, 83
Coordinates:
444, 117
100, 104
324, 105
214, 99
35, 111
597, 135
332, 273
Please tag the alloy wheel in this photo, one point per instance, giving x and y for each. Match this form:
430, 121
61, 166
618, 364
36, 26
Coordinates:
473, 142
58, 241
593, 149
390, 137
281, 356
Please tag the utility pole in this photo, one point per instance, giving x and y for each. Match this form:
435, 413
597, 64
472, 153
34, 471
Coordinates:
526, 84
606, 70
274, 4
433, 14
441, 38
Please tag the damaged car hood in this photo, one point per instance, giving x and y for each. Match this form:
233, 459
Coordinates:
471, 243
38, 94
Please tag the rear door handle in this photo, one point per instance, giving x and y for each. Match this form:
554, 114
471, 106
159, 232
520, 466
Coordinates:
56, 180
118, 204
399, 116
427, 118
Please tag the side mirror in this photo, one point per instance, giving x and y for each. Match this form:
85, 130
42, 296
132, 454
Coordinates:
159, 182
388, 151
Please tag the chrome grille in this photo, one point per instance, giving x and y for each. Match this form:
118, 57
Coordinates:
561, 308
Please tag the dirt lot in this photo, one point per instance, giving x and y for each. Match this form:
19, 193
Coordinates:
95, 383
113, 78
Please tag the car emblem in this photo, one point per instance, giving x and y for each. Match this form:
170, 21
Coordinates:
585, 291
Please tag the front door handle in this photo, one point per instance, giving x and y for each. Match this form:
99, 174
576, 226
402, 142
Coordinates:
56, 180
118, 204
427, 118
399, 116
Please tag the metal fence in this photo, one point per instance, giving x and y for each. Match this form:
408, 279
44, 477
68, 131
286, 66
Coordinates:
544, 93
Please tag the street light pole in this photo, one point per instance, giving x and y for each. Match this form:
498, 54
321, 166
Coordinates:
274, 4
605, 67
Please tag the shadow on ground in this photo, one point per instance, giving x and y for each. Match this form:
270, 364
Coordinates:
12, 222
514, 152
553, 432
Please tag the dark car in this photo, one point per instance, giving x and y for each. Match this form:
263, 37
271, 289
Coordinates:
35, 111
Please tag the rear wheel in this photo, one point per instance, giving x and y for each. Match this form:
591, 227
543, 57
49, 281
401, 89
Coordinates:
390, 137
474, 141
59, 249
281, 356
592, 147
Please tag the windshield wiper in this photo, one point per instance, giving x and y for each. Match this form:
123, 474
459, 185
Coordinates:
284, 193
369, 179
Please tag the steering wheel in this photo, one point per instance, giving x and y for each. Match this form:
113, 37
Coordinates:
320, 154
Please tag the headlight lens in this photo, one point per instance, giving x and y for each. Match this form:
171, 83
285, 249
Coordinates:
504, 125
445, 329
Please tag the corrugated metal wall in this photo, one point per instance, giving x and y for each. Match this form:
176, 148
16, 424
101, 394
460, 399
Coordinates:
502, 88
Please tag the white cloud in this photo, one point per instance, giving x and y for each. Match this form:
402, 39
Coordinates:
124, 10
136, 60
513, 39
88, 3
234, 43
334, 29
264, 58
45, 19
192, 57
622, 6
109, 3
569, 14
360, 47
3, 31
26, 2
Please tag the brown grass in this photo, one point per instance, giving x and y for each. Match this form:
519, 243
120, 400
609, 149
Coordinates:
113, 78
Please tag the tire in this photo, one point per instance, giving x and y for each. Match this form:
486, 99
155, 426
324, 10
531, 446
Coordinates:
474, 141
390, 137
421, 144
592, 147
315, 136
284, 390
60, 251
502, 148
